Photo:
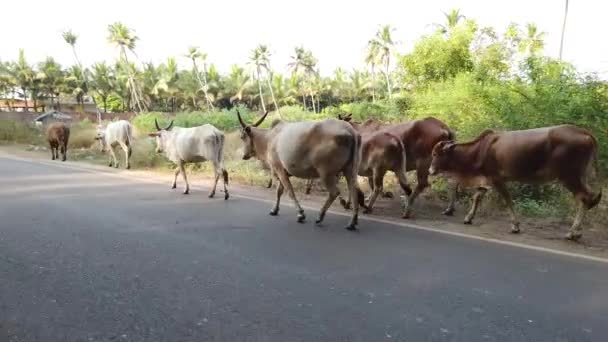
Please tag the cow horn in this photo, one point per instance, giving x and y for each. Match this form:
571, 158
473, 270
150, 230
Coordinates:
260, 120
156, 123
170, 125
238, 114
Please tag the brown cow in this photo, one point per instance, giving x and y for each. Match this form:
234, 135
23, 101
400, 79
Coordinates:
58, 135
418, 137
559, 153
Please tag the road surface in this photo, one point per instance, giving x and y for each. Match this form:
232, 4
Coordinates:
89, 256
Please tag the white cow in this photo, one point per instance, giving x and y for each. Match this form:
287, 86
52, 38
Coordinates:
116, 133
193, 145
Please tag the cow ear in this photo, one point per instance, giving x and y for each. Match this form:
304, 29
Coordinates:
153, 134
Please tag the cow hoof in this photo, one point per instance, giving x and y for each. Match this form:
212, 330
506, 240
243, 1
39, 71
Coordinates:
449, 212
226, 196
174, 186
318, 221
367, 210
110, 165
468, 221
406, 214
274, 212
116, 166
515, 230
128, 167
351, 227
573, 236
211, 195
301, 218
186, 192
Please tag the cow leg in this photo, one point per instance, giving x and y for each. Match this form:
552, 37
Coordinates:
576, 232
354, 191
127, 150
330, 182
477, 197
269, 185
182, 170
275, 209
422, 175
449, 211
177, 171
581, 194
52, 151
308, 189
378, 184
63, 152
504, 193
284, 179
113, 157
217, 173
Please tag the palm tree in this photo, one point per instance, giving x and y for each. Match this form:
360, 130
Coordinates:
533, 40
452, 19
71, 39
7, 80
304, 63
24, 76
257, 59
383, 43
51, 77
194, 53
561, 43
260, 58
371, 59
124, 39
103, 82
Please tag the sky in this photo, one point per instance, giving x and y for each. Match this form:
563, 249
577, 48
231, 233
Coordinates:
335, 31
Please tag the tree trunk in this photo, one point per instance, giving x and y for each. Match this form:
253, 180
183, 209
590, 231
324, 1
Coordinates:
105, 104
304, 101
260, 90
561, 43
388, 80
203, 84
373, 84
25, 108
274, 100
134, 90
312, 99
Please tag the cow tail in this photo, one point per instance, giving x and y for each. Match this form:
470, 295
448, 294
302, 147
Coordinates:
357, 155
220, 156
403, 165
129, 140
594, 200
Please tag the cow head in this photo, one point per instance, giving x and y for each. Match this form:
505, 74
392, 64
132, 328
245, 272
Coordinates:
161, 136
441, 156
247, 135
100, 136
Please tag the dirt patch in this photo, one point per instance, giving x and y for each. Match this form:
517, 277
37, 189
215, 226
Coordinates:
490, 222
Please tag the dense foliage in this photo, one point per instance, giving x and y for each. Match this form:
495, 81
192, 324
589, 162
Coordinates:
471, 77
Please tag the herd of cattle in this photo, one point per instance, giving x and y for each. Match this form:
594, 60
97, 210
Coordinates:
332, 148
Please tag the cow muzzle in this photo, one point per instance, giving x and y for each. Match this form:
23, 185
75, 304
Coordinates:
432, 171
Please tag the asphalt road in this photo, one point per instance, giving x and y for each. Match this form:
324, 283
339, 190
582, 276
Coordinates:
87, 256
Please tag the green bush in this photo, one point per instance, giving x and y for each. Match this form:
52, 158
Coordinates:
19, 132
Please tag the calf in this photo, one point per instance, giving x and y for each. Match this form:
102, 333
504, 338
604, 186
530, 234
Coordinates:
116, 133
559, 153
382, 152
418, 138
307, 150
58, 134
193, 145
